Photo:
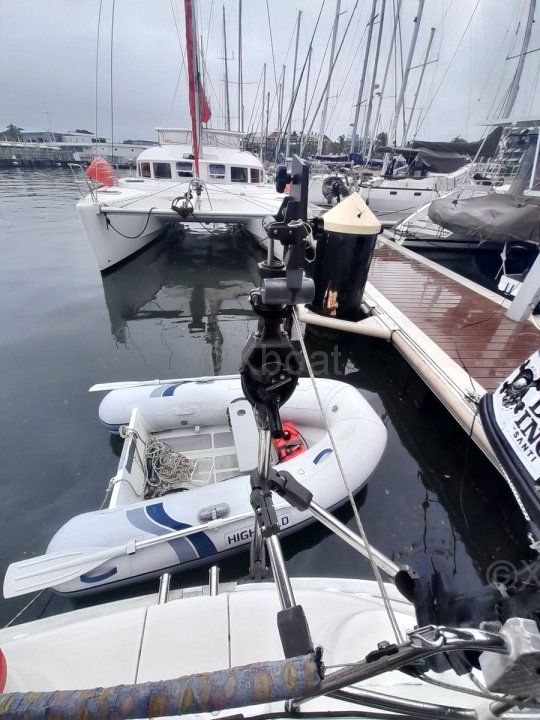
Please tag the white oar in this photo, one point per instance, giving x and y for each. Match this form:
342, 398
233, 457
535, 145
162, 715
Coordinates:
105, 387
56, 568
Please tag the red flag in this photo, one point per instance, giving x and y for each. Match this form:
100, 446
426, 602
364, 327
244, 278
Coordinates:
205, 111
101, 171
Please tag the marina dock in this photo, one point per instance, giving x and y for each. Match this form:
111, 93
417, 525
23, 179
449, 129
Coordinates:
454, 333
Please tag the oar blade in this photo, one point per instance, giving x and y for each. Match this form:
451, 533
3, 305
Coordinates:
107, 387
54, 569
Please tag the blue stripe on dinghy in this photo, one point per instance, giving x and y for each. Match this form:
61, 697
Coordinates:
169, 389
181, 546
200, 541
320, 455
98, 578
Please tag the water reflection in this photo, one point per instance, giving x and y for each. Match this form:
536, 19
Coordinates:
181, 309
195, 281
435, 502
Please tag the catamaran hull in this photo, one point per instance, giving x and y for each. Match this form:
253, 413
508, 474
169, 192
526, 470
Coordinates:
202, 406
115, 238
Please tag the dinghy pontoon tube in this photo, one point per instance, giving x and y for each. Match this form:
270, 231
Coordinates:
212, 424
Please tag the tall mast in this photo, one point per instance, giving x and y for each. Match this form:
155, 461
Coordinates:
227, 104
267, 115
385, 77
401, 97
281, 92
367, 122
363, 77
426, 56
514, 87
262, 112
240, 91
330, 68
194, 79
293, 88
305, 97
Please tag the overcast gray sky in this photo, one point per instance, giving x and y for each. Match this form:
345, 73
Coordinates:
49, 47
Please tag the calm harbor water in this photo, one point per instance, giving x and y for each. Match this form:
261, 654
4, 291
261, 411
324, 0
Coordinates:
177, 310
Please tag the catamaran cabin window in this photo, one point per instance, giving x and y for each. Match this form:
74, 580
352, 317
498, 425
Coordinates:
144, 170
162, 170
184, 169
254, 175
216, 171
239, 174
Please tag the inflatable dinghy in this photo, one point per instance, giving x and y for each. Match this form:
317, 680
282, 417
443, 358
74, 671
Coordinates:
189, 448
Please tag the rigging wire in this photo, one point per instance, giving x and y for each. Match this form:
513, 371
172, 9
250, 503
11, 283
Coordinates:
272, 47
449, 65
334, 65
288, 116
496, 110
182, 67
111, 82
97, 73
208, 29
376, 571
276, 95
255, 103
316, 83
344, 82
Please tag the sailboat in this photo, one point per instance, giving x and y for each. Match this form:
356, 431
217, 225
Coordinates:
258, 647
196, 176
432, 170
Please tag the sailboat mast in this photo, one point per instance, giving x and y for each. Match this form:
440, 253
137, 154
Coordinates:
514, 87
293, 87
426, 57
367, 122
240, 90
262, 112
267, 117
330, 69
385, 78
305, 98
363, 77
194, 79
227, 104
401, 97
281, 90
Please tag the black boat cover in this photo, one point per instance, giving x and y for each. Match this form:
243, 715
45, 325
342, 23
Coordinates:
494, 217
446, 157
429, 160
488, 145
511, 419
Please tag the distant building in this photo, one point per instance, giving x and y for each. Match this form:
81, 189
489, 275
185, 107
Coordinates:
85, 146
48, 136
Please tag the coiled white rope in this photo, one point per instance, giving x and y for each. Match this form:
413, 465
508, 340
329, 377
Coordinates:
168, 469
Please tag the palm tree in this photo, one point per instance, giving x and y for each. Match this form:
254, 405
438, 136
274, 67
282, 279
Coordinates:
12, 132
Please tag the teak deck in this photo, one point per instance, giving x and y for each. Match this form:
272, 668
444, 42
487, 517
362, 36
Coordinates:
471, 328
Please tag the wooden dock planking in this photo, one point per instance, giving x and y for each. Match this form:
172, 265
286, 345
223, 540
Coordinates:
470, 328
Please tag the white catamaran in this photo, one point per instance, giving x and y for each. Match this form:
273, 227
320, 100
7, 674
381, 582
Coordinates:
197, 176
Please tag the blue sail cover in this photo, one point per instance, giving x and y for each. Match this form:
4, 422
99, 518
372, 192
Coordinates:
355, 158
